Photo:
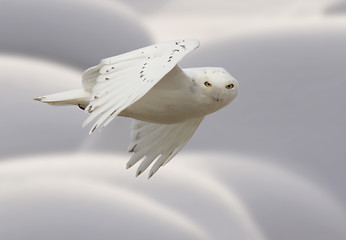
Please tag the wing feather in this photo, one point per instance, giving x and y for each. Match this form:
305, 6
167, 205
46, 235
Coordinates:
122, 80
158, 141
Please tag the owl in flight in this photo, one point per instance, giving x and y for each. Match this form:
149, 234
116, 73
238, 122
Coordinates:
167, 103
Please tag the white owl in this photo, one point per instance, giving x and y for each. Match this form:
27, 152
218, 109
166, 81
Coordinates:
166, 102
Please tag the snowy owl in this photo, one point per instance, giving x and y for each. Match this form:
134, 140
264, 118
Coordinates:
167, 103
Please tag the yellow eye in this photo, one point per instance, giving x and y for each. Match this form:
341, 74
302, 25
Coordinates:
207, 84
230, 86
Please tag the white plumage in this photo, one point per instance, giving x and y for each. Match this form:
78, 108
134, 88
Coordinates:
166, 102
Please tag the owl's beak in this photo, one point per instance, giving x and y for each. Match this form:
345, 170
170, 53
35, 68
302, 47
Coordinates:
217, 98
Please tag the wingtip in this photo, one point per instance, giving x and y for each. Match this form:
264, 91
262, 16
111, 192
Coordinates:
191, 41
39, 98
139, 172
131, 148
128, 166
93, 129
150, 175
84, 124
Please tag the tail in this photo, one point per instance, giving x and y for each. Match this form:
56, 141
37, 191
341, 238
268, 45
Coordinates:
78, 97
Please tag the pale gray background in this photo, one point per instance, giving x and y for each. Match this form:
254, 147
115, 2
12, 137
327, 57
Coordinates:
279, 147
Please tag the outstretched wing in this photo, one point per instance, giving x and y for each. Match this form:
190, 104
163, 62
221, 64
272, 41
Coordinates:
123, 79
158, 141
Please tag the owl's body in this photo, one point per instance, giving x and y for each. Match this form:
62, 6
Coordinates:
177, 98
167, 103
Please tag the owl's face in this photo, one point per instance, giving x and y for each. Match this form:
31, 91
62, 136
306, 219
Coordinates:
217, 86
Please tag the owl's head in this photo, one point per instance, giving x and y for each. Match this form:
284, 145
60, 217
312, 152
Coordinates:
216, 85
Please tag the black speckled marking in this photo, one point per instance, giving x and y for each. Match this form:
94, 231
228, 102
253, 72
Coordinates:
80, 106
92, 130
133, 149
141, 73
113, 112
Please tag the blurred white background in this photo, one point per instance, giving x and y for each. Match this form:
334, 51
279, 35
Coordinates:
269, 166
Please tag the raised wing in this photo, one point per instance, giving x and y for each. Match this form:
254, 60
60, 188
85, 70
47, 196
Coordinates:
158, 141
123, 79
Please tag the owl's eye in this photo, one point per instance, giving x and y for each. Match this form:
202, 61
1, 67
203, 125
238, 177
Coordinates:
207, 84
230, 86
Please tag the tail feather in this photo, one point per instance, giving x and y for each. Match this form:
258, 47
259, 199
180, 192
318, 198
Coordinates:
78, 97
